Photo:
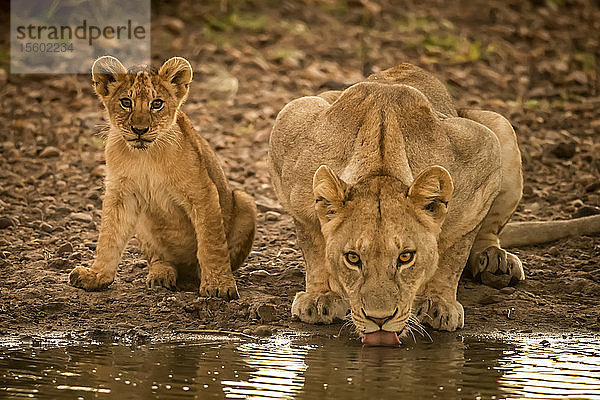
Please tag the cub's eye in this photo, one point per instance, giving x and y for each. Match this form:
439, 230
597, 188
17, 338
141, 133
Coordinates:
125, 103
353, 259
157, 104
406, 257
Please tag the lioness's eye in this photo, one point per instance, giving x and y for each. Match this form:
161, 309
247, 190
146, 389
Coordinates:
406, 257
353, 259
156, 104
125, 102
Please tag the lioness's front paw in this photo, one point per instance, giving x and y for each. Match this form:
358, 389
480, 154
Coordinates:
441, 314
88, 279
498, 262
227, 291
162, 275
319, 307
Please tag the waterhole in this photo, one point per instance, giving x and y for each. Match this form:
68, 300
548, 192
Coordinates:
283, 367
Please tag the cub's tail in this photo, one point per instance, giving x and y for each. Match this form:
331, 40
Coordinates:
529, 233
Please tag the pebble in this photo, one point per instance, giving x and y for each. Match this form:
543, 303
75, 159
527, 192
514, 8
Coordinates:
61, 185
173, 24
6, 222
490, 299
564, 150
82, 217
508, 290
66, 248
46, 227
3, 76
49, 151
263, 330
586, 211
266, 312
272, 216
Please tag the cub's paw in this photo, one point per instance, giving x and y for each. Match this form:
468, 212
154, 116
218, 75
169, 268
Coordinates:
227, 291
161, 275
441, 314
497, 261
319, 307
88, 279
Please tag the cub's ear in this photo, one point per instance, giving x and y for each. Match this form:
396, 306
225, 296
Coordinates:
106, 71
329, 193
430, 193
178, 72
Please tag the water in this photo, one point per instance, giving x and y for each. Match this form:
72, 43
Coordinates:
286, 368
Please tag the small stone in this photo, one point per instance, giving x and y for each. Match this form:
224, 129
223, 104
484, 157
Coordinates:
90, 245
81, 217
99, 171
564, 150
263, 330
66, 248
61, 185
495, 281
490, 299
3, 76
175, 25
577, 203
266, 313
6, 222
49, 152
511, 313
46, 227
508, 290
586, 211
272, 216
59, 264
140, 264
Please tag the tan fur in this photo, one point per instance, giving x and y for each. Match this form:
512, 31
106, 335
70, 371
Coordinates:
385, 168
166, 186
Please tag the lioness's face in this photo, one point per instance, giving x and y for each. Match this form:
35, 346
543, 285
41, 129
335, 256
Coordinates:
382, 242
141, 102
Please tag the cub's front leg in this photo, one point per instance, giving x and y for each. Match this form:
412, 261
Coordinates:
120, 211
204, 210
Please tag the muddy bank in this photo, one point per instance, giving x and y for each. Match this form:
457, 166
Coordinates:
534, 62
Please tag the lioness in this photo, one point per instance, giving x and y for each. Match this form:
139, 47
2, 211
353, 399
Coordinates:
164, 183
393, 190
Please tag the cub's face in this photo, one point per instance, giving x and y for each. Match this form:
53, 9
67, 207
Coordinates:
381, 241
141, 103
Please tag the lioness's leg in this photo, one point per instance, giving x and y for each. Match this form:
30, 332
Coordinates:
243, 228
436, 303
119, 215
161, 274
486, 254
318, 304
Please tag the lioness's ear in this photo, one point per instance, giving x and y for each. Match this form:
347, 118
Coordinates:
329, 193
106, 71
178, 72
431, 191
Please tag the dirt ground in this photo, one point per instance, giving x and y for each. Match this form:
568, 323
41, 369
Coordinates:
536, 62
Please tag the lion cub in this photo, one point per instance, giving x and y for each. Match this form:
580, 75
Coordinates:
164, 183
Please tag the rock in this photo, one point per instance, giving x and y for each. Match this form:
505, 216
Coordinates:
99, 171
66, 248
263, 330
266, 312
61, 185
6, 222
46, 227
495, 281
3, 76
175, 25
586, 211
508, 290
140, 264
490, 299
511, 313
59, 264
272, 216
564, 150
592, 187
81, 217
49, 152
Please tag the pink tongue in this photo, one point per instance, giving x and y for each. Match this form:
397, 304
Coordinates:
381, 338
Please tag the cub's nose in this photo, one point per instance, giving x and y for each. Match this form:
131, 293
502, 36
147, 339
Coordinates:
139, 131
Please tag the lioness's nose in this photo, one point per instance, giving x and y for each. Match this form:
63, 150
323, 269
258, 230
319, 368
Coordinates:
380, 321
140, 131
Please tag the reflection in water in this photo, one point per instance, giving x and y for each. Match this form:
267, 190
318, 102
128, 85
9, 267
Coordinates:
279, 367
217, 367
